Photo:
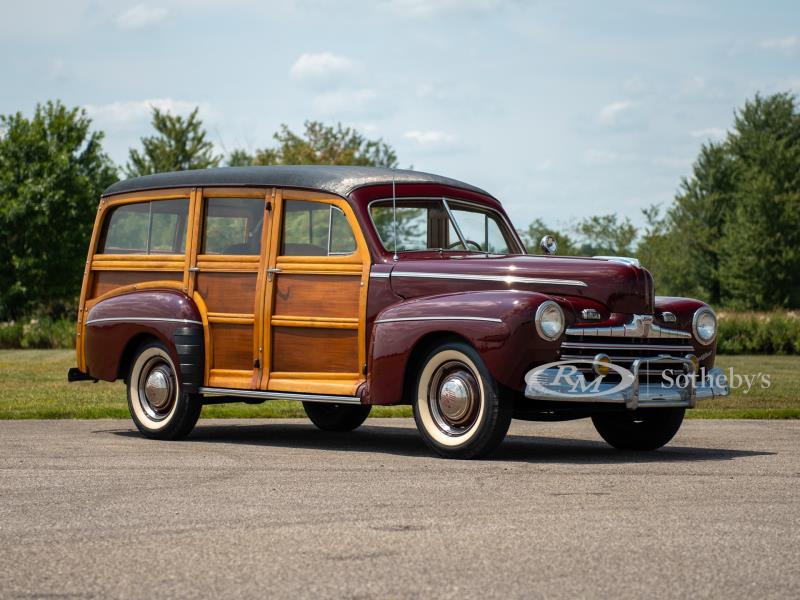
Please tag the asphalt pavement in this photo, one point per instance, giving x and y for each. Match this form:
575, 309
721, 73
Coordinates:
258, 508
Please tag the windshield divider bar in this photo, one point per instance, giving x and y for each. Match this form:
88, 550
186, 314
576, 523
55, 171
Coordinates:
455, 223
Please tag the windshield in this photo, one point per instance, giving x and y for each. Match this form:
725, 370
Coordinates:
425, 224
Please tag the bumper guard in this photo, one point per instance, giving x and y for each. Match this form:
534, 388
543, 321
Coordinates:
551, 384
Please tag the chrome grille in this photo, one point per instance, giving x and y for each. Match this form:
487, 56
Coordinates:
623, 351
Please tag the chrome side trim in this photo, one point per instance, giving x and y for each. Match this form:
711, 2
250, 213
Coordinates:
401, 319
640, 326
215, 391
625, 260
498, 278
601, 346
379, 275
145, 319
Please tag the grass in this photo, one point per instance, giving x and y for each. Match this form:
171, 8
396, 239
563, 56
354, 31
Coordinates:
33, 385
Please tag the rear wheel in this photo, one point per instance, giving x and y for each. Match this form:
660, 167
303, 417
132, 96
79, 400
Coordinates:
336, 417
644, 429
160, 410
457, 408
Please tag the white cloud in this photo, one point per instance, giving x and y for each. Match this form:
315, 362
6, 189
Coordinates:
611, 112
344, 101
133, 111
431, 137
139, 16
429, 8
713, 133
544, 165
786, 43
322, 65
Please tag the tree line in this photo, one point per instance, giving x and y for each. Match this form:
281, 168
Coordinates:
731, 235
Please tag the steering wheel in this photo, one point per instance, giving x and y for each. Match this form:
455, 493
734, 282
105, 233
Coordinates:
469, 242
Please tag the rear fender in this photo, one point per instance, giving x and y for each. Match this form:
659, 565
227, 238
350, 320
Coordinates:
117, 325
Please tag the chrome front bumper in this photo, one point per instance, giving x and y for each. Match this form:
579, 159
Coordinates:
551, 385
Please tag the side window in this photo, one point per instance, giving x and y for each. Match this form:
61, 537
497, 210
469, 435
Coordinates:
157, 227
315, 229
481, 230
233, 226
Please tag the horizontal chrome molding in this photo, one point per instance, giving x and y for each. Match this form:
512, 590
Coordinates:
143, 319
380, 275
640, 326
497, 278
619, 359
401, 319
215, 391
602, 346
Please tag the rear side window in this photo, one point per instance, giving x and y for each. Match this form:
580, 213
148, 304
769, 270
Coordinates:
156, 227
315, 229
233, 226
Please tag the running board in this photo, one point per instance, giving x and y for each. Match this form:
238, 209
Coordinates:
259, 395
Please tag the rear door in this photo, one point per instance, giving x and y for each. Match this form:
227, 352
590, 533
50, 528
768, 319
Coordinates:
316, 292
227, 275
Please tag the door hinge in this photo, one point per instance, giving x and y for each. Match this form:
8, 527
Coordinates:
256, 364
269, 205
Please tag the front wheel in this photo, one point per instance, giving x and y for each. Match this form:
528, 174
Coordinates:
336, 417
644, 429
456, 407
160, 410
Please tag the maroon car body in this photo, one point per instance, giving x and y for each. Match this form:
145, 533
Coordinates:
415, 300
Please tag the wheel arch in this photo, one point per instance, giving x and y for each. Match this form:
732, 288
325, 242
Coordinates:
419, 351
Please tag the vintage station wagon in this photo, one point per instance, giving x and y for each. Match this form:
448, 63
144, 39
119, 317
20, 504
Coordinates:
348, 287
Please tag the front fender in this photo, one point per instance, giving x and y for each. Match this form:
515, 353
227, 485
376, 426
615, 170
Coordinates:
497, 323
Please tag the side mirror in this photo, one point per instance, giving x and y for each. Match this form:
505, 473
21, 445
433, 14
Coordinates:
548, 245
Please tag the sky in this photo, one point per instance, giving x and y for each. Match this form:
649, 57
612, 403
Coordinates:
561, 110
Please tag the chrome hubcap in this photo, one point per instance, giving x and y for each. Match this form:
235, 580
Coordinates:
157, 389
454, 398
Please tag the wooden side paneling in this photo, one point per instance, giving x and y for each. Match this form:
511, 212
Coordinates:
228, 292
300, 349
105, 281
232, 346
317, 295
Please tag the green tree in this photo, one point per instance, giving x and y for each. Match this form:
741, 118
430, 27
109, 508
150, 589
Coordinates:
239, 158
760, 248
683, 248
537, 229
179, 144
52, 172
321, 144
732, 235
606, 235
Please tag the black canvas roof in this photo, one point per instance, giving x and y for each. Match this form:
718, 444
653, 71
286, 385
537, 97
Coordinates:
338, 180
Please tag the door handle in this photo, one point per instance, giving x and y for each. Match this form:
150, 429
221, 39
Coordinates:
271, 272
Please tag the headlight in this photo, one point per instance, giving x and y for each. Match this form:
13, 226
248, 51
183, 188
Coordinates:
549, 320
704, 325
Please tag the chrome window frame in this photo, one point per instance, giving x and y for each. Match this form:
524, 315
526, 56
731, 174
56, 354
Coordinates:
445, 200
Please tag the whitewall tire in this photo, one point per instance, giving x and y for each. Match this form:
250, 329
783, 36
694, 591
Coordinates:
456, 405
159, 408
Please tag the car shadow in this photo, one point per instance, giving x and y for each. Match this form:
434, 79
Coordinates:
405, 441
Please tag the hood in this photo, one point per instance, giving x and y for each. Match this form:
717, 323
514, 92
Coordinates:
619, 286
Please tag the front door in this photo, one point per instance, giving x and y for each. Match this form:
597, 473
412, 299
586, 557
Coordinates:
315, 301
227, 276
